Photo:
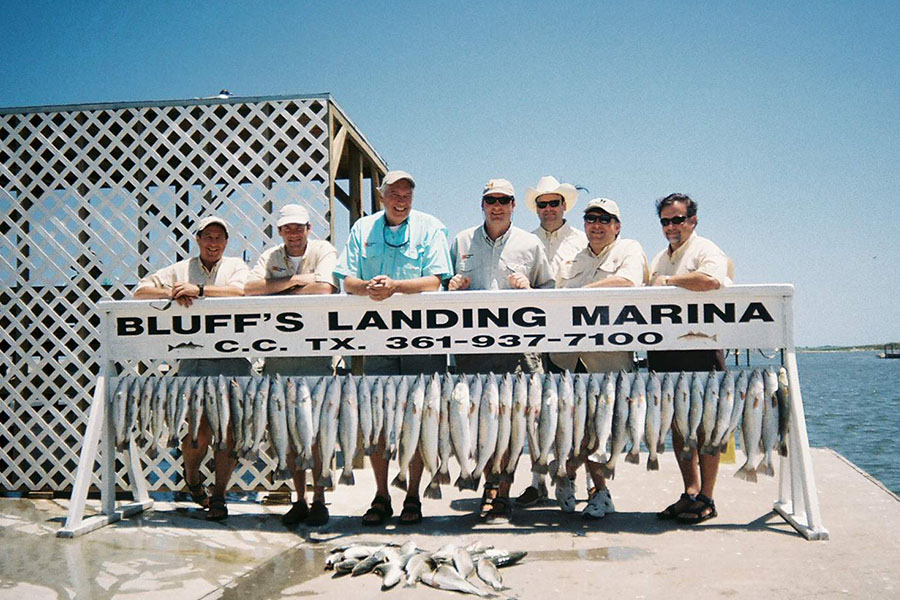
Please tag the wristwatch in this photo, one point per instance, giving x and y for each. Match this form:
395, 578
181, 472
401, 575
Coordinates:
201, 290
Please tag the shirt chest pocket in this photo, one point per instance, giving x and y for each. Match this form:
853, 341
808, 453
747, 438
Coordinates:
467, 264
409, 262
608, 268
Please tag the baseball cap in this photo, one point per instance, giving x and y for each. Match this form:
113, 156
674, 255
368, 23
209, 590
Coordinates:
606, 205
498, 186
207, 221
293, 213
392, 177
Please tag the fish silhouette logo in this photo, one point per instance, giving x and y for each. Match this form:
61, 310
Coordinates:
185, 346
697, 335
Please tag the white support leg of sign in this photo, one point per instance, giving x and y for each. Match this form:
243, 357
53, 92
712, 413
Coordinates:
803, 510
74, 524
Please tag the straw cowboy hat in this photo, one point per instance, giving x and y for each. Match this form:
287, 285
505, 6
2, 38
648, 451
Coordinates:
550, 185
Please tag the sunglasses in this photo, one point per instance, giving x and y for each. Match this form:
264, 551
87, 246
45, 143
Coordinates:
604, 219
504, 200
545, 204
674, 220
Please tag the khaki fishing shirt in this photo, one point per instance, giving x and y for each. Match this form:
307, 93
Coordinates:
623, 258
489, 263
561, 245
697, 254
229, 271
319, 259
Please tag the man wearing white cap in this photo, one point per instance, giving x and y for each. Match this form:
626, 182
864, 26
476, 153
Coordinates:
551, 200
496, 255
607, 261
396, 251
298, 265
211, 274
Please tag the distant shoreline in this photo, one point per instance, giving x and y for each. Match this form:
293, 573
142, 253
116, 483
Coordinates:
827, 350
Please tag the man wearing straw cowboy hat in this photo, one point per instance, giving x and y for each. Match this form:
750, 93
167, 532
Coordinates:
551, 200
211, 274
299, 265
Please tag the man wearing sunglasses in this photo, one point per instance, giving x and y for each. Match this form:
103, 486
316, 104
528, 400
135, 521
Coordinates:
607, 261
396, 251
299, 265
496, 255
694, 263
210, 274
551, 200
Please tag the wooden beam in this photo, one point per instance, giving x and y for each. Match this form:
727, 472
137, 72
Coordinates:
356, 183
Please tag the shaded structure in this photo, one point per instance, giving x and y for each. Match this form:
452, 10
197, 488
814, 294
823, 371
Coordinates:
94, 196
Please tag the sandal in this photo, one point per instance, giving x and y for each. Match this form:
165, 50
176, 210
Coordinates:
698, 514
379, 512
673, 510
318, 514
198, 493
487, 501
500, 512
412, 511
218, 510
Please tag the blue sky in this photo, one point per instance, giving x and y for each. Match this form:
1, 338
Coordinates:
781, 119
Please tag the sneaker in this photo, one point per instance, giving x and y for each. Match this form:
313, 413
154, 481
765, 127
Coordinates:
529, 497
599, 504
565, 495
298, 513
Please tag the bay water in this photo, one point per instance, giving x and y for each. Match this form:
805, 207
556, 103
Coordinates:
852, 405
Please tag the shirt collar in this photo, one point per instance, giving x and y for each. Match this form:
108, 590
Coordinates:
673, 256
500, 240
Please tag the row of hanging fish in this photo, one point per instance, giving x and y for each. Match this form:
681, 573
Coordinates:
484, 422
472, 569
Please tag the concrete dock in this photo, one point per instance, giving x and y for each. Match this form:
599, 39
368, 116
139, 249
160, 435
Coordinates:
747, 552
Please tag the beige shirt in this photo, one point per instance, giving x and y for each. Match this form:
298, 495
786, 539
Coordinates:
561, 245
697, 254
622, 258
229, 271
320, 259
489, 263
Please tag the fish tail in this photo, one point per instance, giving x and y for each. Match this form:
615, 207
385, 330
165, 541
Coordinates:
723, 447
661, 446
652, 463
325, 480
443, 477
633, 457
283, 473
767, 468
747, 473
433, 490
783, 449
687, 453
308, 463
400, 481
466, 482
152, 452
347, 477
608, 471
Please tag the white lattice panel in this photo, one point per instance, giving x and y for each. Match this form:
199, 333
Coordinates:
94, 197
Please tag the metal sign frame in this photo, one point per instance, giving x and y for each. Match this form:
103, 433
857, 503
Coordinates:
742, 316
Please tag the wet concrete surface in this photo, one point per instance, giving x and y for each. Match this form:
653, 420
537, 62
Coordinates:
747, 552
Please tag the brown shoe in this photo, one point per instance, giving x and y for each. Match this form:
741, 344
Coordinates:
298, 513
218, 510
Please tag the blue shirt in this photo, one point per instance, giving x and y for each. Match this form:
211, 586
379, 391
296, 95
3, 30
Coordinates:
417, 248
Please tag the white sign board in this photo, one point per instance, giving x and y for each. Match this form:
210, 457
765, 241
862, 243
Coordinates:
570, 320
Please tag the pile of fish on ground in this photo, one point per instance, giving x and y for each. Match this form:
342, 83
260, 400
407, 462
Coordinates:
451, 567
483, 422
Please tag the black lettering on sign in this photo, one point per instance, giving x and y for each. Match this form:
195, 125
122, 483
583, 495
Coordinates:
400, 318
650, 338
342, 343
630, 314
334, 323
316, 342
529, 316
620, 338
214, 322
129, 326
711, 311
243, 321
154, 329
371, 319
500, 318
441, 318
178, 325
692, 313
658, 312
264, 345
598, 316
756, 311
226, 346
288, 322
